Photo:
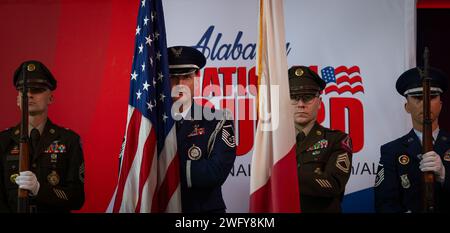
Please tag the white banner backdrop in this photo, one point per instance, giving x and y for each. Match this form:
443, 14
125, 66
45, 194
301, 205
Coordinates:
359, 46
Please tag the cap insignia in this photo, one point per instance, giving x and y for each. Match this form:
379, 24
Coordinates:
31, 67
299, 72
177, 52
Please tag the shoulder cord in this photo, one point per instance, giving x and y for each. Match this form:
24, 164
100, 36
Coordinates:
213, 136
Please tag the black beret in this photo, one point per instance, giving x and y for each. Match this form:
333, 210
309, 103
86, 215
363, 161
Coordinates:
37, 75
185, 60
410, 82
303, 80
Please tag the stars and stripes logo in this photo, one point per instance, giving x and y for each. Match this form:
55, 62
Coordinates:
342, 79
149, 172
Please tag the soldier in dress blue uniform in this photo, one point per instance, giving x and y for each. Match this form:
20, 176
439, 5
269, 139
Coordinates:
55, 180
324, 156
205, 137
399, 175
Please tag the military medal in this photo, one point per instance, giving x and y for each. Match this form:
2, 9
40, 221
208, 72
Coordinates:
55, 147
447, 156
405, 181
403, 160
54, 158
14, 151
319, 145
197, 131
194, 153
53, 178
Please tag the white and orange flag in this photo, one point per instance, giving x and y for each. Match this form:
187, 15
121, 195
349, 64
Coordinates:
274, 182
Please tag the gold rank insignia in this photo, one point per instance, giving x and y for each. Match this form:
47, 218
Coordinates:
60, 194
324, 183
53, 178
343, 163
403, 159
194, 153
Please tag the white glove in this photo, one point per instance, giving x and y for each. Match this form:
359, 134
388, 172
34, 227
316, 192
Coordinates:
431, 161
27, 180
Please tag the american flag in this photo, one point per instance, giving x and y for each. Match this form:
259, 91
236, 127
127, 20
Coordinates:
149, 172
342, 79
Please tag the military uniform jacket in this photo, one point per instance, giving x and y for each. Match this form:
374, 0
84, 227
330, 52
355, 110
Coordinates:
58, 164
207, 153
398, 181
324, 161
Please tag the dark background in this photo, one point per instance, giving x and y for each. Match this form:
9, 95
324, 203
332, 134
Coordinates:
433, 31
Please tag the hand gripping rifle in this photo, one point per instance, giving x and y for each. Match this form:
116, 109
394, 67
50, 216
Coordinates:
24, 155
428, 178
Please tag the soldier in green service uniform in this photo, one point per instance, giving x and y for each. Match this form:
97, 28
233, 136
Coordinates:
55, 180
324, 156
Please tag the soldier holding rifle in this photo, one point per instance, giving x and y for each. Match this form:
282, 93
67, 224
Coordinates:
51, 173
400, 185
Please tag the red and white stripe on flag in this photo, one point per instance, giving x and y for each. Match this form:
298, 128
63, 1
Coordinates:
274, 180
146, 184
149, 179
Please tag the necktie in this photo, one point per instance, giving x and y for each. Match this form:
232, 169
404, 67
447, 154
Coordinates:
35, 137
300, 137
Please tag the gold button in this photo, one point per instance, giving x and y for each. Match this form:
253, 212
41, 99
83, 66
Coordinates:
13, 177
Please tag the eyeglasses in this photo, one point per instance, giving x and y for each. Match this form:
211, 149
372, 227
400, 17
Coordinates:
306, 99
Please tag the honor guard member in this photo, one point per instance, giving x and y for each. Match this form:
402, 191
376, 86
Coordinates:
399, 175
205, 138
55, 180
324, 156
